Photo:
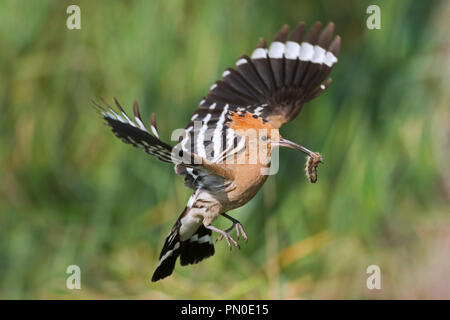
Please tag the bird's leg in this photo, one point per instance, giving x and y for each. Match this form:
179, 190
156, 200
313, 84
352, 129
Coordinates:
226, 235
237, 225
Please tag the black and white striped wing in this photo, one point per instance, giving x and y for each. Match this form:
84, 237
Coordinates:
200, 169
275, 82
134, 132
207, 134
208, 137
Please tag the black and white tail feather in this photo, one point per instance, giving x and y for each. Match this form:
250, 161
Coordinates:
192, 250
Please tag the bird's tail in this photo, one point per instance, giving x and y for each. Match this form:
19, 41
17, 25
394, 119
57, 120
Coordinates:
188, 239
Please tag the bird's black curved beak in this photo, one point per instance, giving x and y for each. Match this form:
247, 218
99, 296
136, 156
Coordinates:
289, 144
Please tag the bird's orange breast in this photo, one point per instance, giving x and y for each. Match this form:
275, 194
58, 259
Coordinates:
245, 121
247, 168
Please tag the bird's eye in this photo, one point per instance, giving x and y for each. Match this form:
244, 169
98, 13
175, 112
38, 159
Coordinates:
264, 138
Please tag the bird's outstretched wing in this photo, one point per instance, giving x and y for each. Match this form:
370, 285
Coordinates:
274, 82
135, 133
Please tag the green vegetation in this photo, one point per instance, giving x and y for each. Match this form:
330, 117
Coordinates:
72, 193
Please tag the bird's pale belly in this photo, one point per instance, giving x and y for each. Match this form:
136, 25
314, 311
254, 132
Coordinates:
245, 185
247, 182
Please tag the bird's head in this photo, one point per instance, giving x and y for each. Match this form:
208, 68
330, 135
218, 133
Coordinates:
258, 132
261, 134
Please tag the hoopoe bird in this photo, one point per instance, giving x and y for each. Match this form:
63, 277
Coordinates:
214, 151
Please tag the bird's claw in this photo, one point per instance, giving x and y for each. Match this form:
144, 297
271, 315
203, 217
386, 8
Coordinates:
229, 240
239, 231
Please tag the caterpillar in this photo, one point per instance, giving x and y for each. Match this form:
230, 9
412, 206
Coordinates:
311, 166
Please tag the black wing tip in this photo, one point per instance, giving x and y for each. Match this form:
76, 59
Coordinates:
105, 103
326, 35
335, 45
282, 34
330, 26
313, 33
136, 111
118, 105
261, 43
97, 107
297, 34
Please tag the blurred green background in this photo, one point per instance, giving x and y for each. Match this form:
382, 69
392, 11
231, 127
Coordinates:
72, 193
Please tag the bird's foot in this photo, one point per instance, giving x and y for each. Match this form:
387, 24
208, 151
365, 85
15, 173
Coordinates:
236, 225
239, 231
225, 234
